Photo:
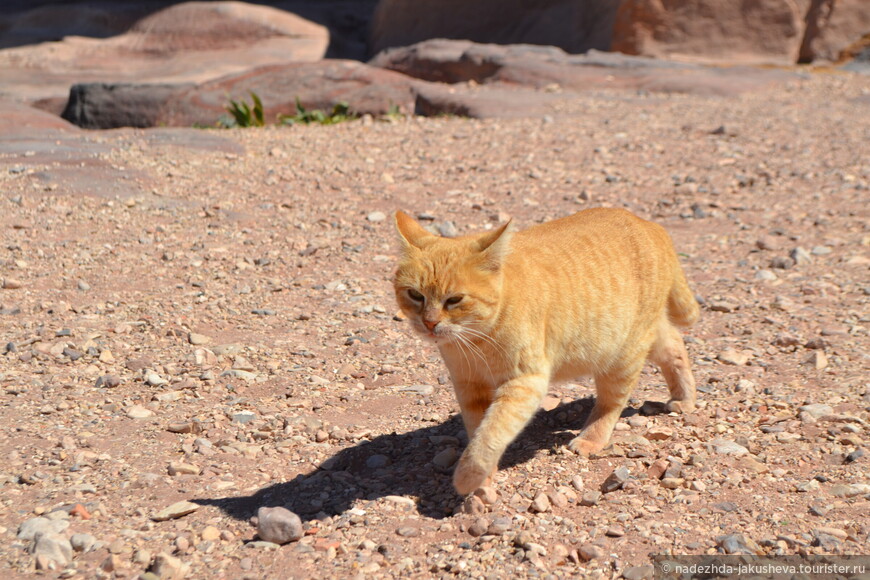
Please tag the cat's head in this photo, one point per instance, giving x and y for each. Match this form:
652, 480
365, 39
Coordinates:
449, 288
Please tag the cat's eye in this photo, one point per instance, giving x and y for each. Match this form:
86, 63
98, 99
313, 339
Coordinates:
414, 295
452, 301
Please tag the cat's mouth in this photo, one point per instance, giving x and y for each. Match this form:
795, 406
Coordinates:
438, 335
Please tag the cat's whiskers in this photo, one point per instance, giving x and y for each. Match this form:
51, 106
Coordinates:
475, 352
474, 348
461, 343
486, 338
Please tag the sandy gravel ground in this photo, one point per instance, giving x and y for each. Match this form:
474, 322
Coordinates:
227, 336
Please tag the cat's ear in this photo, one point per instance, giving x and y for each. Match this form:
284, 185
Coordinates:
411, 232
495, 245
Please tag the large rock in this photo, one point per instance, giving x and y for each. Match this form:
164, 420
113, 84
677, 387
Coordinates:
219, 25
108, 106
573, 25
24, 22
509, 81
319, 85
458, 61
761, 31
833, 26
188, 42
551, 69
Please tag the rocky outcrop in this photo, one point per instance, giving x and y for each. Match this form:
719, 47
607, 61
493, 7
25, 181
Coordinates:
833, 27
202, 26
189, 42
762, 31
778, 32
319, 85
28, 22
551, 69
435, 77
572, 25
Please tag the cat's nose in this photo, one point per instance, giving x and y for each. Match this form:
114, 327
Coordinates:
430, 324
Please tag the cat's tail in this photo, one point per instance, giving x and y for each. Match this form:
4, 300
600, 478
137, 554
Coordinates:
683, 309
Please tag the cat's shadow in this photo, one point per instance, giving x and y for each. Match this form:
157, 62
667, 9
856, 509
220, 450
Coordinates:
401, 464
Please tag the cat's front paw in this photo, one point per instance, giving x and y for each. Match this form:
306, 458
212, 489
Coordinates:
469, 475
675, 406
585, 447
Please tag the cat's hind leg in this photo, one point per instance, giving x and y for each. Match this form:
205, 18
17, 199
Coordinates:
669, 353
514, 404
612, 392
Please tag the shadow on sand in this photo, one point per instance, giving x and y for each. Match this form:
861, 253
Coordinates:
332, 488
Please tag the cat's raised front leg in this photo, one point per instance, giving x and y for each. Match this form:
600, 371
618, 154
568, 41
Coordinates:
514, 404
474, 399
612, 392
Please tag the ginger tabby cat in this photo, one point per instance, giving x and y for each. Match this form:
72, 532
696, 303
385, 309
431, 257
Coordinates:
596, 293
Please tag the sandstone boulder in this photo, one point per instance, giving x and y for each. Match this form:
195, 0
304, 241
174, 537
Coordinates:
550, 69
188, 42
112, 105
430, 78
455, 61
833, 28
221, 25
762, 31
319, 85
573, 25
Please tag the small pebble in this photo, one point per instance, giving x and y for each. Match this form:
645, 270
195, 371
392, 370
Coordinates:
198, 339
591, 552
590, 497
177, 510
139, 412
738, 544
166, 567
615, 480
645, 572
540, 504
499, 526
278, 525
727, 447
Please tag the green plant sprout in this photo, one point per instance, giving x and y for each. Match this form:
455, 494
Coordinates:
244, 115
340, 112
